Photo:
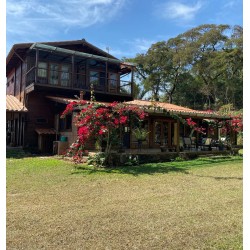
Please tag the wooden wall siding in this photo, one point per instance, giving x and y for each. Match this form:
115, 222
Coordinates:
39, 107
15, 128
45, 143
16, 82
10, 83
18, 77
22, 94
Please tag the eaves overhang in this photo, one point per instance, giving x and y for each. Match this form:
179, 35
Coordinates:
50, 48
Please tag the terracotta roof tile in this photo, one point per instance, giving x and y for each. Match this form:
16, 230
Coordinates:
45, 131
14, 105
174, 108
66, 100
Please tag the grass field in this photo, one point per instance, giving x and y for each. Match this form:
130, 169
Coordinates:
176, 205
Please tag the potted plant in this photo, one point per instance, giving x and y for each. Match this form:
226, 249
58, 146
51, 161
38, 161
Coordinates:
163, 148
221, 145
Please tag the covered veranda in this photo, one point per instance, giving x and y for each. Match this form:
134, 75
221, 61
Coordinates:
171, 129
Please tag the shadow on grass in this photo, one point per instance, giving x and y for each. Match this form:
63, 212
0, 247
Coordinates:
219, 177
159, 168
19, 153
133, 170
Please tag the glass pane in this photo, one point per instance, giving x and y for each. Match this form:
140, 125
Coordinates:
113, 80
42, 69
157, 133
54, 74
165, 133
80, 77
94, 78
65, 75
102, 79
96, 64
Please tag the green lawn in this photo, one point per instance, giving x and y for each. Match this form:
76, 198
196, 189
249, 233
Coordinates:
176, 205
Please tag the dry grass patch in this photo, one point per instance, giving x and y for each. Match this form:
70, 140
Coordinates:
185, 205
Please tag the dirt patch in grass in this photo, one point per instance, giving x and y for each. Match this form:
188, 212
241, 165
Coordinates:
52, 205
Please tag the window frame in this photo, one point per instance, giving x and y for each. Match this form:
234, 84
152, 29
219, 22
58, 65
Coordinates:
63, 123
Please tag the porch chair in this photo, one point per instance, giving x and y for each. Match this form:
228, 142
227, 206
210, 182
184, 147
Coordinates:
206, 143
188, 144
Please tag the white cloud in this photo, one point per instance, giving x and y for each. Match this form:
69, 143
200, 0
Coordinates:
138, 45
31, 19
231, 4
132, 47
142, 45
177, 10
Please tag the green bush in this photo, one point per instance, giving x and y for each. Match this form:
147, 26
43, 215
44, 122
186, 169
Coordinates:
97, 159
132, 161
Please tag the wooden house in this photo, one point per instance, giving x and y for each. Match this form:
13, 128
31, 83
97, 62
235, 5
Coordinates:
43, 77
38, 71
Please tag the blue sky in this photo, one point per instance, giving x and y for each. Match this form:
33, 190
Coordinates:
126, 27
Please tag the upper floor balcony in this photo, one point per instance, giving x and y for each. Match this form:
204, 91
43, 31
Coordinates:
66, 69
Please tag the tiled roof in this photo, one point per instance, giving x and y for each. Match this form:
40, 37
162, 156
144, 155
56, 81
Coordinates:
163, 105
66, 100
45, 131
175, 109
14, 105
154, 107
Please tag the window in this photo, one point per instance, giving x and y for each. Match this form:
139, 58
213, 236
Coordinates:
54, 74
81, 75
113, 82
97, 64
65, 75
65, 123
42, 69
97, 79
94, 78
161, 132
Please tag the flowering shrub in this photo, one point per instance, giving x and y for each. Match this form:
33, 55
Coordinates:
234, 124
194, 126
100, 122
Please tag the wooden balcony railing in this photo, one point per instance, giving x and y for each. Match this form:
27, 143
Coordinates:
77, 81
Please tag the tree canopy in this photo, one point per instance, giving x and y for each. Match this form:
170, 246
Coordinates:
201, 68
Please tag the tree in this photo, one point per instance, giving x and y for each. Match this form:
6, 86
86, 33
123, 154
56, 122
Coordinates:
160, 70
201, 67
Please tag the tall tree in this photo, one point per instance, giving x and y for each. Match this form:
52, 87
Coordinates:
203, 64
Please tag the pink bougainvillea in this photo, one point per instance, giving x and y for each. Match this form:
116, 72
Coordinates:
100, 122
192, 124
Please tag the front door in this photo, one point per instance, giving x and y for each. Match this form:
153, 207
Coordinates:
162, 133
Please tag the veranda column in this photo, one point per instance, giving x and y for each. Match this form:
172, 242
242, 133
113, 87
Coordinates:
36, 65
72, 72
178, 136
